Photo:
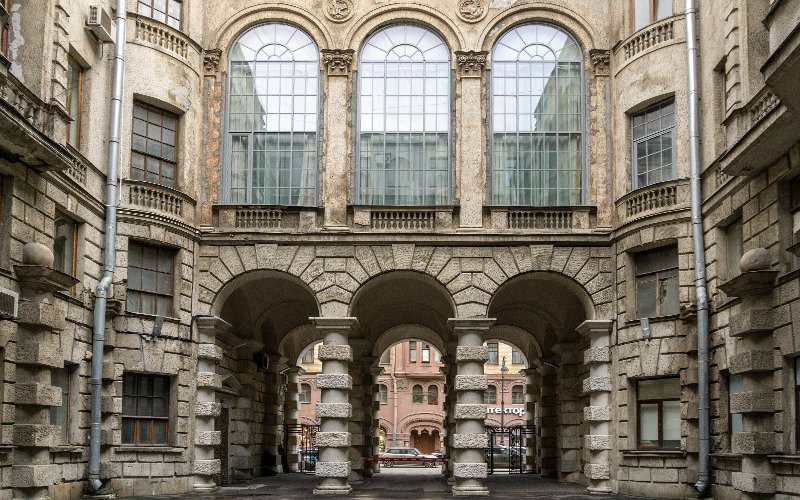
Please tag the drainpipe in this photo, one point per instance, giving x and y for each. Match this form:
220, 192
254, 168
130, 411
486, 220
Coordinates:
101, 292
394, 395
703, 468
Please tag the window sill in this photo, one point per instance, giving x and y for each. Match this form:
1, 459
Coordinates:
653, 453
785, 459
657, 319
67, 448
151, 449
168, 319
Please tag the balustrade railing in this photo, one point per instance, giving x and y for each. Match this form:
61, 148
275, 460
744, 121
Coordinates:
157, 198
162, 35
258, 218
651, 36
399, 220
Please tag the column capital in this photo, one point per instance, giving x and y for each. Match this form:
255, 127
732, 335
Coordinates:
601, 60
470, 324
211, 59
345, 324
471, 64
337, 61
212, 325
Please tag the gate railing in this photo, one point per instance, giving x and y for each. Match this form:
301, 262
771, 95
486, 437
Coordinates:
513, 456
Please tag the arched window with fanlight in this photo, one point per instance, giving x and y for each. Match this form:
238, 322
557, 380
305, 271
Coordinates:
416, 394
403, 118
433, 395
537, 118
273, 107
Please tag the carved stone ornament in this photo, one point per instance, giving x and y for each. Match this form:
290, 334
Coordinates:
211, 59
471, 63
471, 11
601, 60
337, 62
338, 11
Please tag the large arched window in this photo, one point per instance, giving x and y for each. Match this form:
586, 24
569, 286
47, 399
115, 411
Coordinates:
273, 93
416, 394
404, 118
537, 118
433, 395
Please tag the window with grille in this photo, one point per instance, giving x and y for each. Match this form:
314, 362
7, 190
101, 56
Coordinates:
305, 393
383, 394
150, 286
273, 108
165, 11
490, 395
659, 413
404, 118
145, 409
654, 144
493, 357
517, 396
645, 12
416, 394
153, 146
433, 395
537, 118
657, 283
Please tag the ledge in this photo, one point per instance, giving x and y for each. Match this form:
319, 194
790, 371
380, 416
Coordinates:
784, 459
67, 449
653, 453
151, 449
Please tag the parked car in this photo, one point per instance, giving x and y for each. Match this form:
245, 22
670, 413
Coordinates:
502, 456
406, 456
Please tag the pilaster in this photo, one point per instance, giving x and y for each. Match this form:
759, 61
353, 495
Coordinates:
291, 415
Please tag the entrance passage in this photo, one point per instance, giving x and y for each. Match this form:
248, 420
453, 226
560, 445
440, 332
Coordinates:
307, 453
508, 448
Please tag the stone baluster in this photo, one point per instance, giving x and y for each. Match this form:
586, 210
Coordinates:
291, 416
469, 440
598, 413
754, 360
207, 409
38, 350
334, 410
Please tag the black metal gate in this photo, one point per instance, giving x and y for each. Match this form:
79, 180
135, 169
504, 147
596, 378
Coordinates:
508, 448
307, 453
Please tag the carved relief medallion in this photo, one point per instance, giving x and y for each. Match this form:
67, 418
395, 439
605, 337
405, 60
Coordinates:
471, 11
338, 10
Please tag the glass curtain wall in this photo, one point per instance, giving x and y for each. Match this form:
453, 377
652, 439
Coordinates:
273, 108
404, 118
537, 118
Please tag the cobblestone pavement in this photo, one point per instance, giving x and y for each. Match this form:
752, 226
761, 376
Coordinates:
398, 483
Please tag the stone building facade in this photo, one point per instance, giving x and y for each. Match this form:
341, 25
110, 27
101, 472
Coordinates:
367, 173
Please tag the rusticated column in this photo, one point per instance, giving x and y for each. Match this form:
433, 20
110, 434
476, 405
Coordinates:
754, 360
291, 416
469, 440
334, 410
206, 438
38, 350
376, 372
533, 383
598, 413
546, 422
336, 160
449, 423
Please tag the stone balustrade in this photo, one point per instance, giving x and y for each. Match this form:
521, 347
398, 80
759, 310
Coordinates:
651, 36
654, 200
164, 201
159, 34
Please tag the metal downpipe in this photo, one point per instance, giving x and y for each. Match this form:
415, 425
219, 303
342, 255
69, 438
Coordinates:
110, 247
703, 466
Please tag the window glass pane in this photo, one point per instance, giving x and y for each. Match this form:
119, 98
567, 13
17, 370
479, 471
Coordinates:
646, 289
59, 415
154, 136
652, 144
656, 260
648, 425
144, 431
128, 427
671, 425
492, 353
73, 101
64, 245
159, 432
641, 14
664, 8
734, 247
669, 302
412, 351
735, 387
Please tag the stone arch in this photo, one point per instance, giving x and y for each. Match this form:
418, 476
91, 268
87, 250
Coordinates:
426, 16
560, 16
298, 340
405, 332
420, 418
523, 341
233, 27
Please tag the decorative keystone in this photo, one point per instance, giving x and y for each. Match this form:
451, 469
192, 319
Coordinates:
332, 469
37, 394
754, 483
753, 402
207, 409
333, 439
759, 360
334, 410
472, 353
334, 381
335, 353
470, 412
207, 438
208, 379
597, 414
597, 442
754, 443
206, 467
470, 441
597, 471
595, 355
471, 382
597, 384
209, 351
752, 322
470, 471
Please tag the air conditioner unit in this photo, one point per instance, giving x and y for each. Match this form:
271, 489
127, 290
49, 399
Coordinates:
99, 23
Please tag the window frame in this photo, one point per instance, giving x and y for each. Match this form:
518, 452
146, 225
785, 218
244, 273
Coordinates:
304, 395
434, 393
494, 348
151, 419
659, 403
637, 278
516, 357
77, 119
66, 397
521, 394
5, 29
171, 295
491, 389
73, 264
426, 353
732, 416
653, 6
166, 14
417, 397
412, 351
146, 155
643, 139
383, 394
308, 355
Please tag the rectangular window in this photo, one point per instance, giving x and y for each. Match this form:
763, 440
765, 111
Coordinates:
165, 11
734, 246
65, 241
645, 12
74, 97
305, 393
490, 396
658, 408
493, 360
516, 357
61, 415
657, 283
412, 351
653, 138
308, 355
735, 419
426, 353
517, 396
437, 356
145, 409
153, 145
150, 288
383, 394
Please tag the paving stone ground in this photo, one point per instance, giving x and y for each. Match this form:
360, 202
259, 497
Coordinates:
398, 483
